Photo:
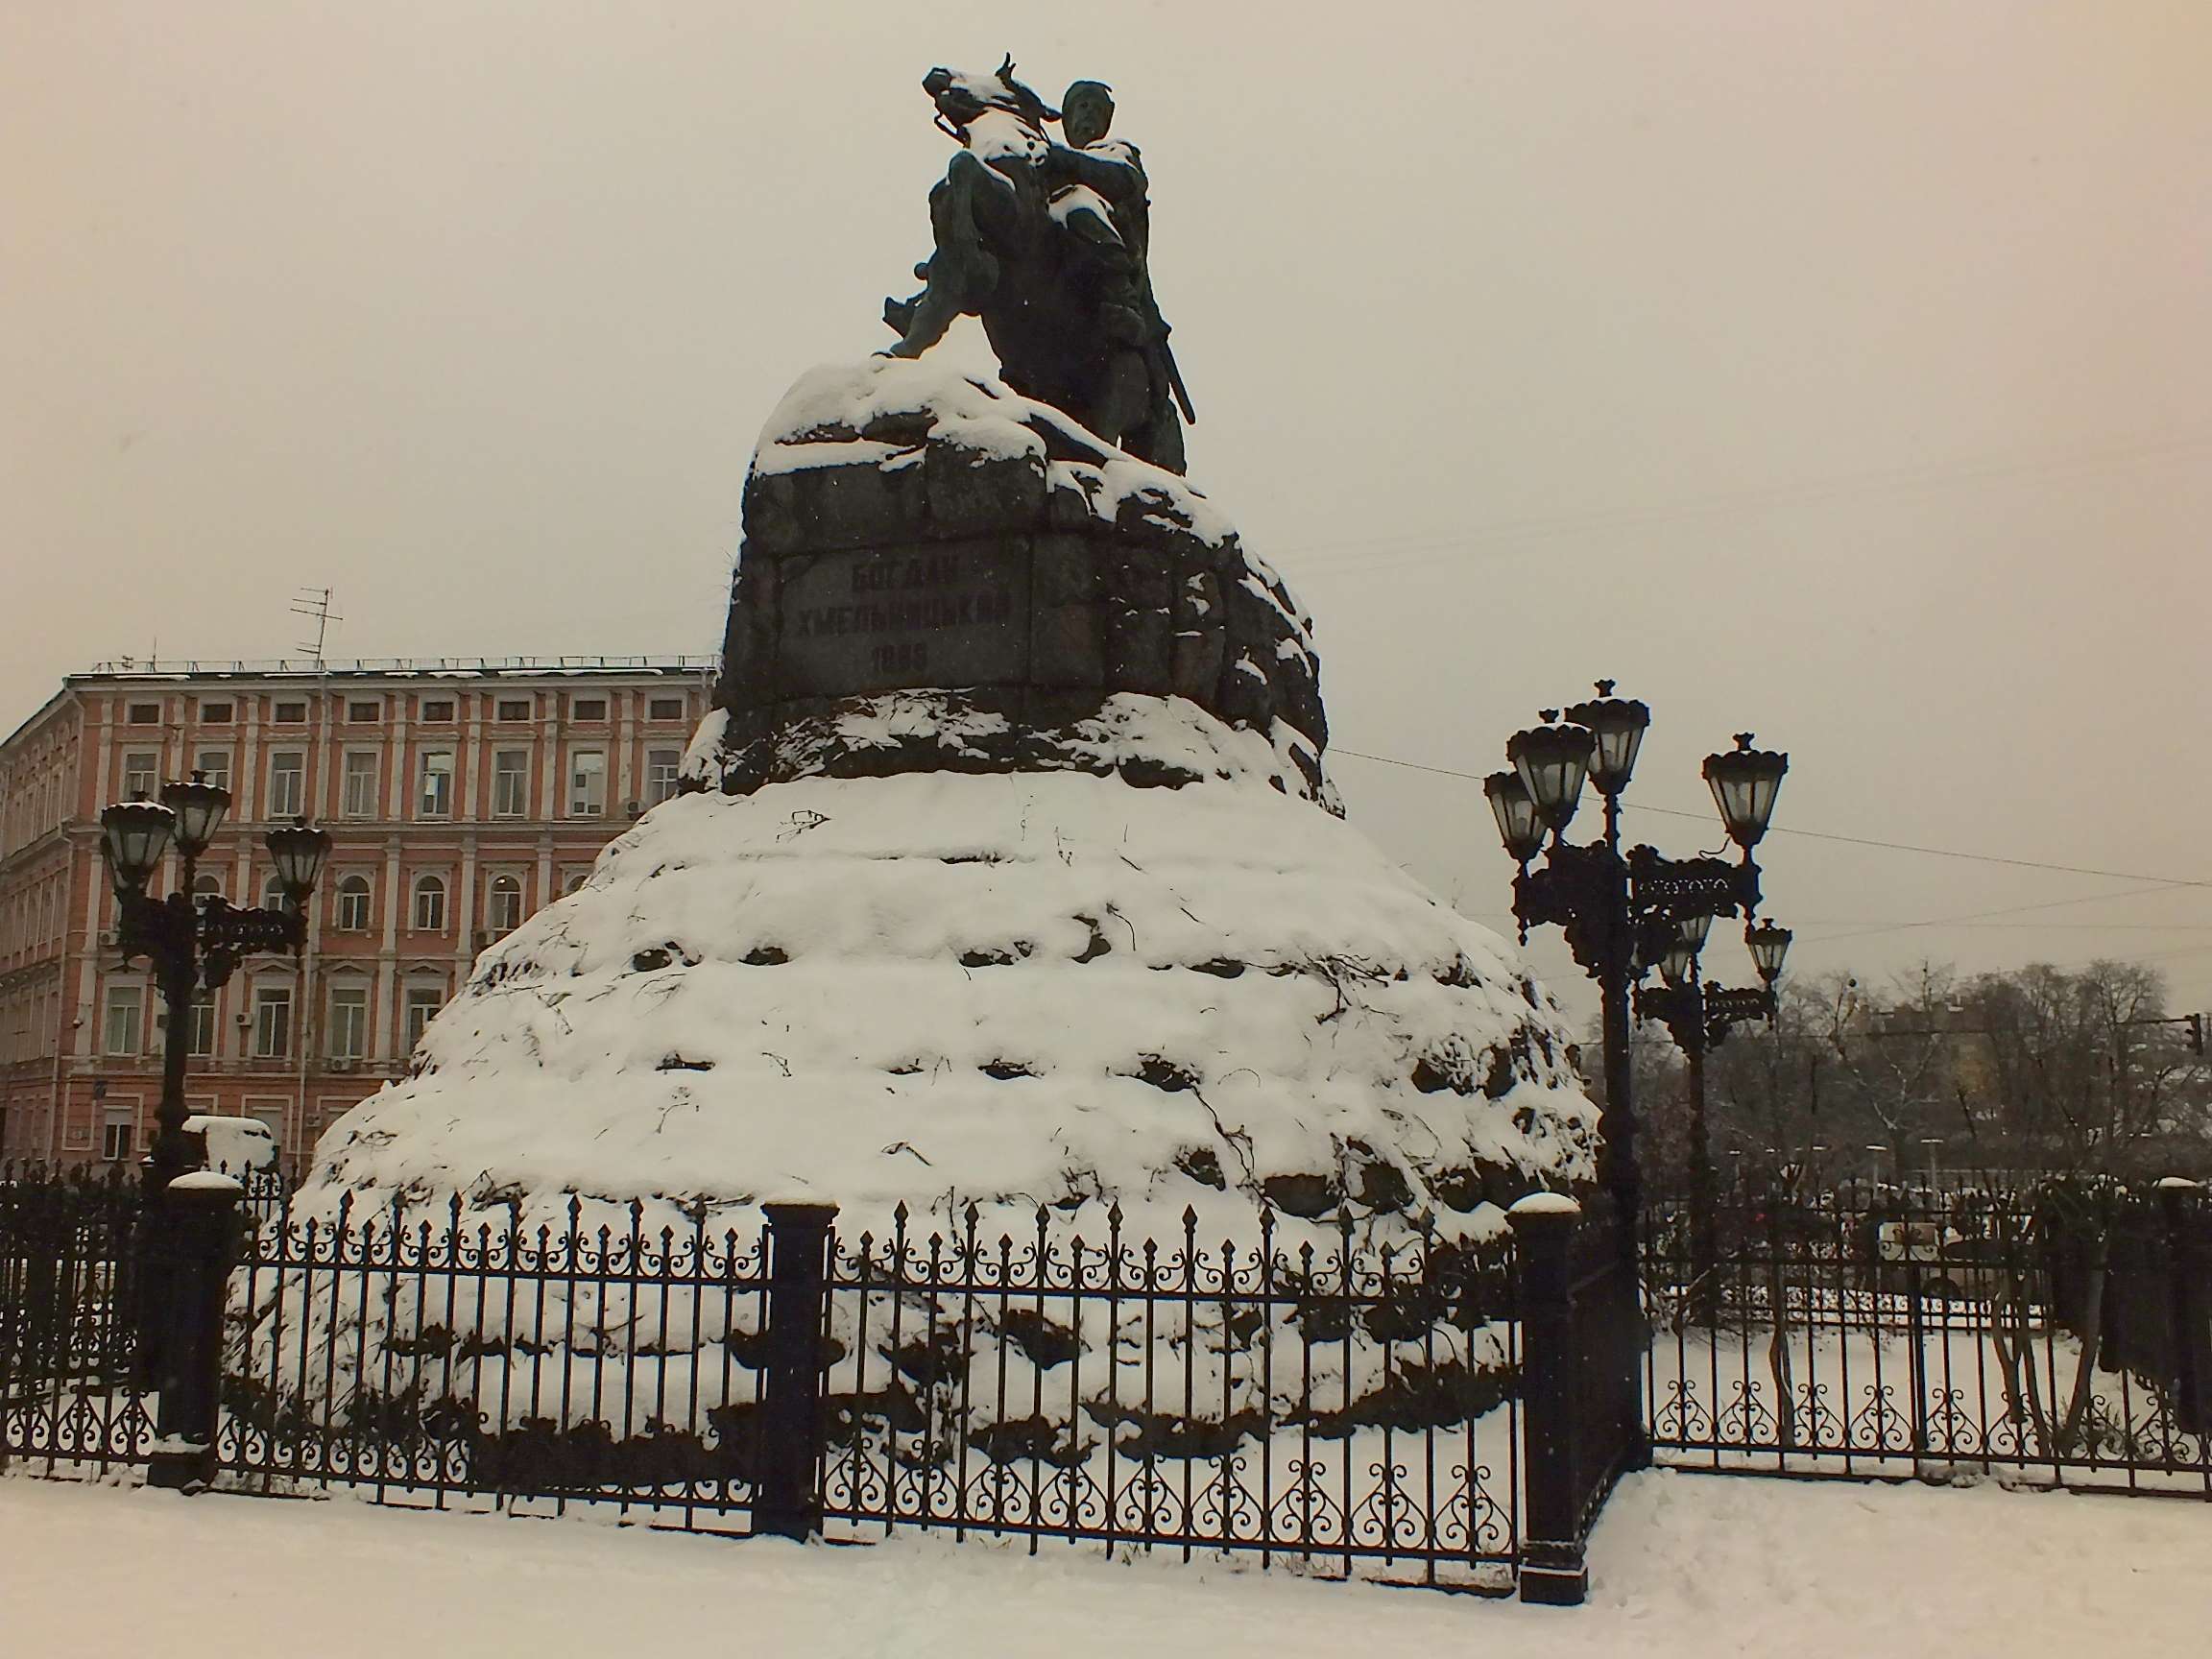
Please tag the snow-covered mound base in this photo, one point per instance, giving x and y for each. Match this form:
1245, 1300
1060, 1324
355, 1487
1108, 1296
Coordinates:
1025, 989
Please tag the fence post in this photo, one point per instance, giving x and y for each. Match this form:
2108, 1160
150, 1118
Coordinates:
787, 1499
194, 1237
2186, 1275
1552, 1570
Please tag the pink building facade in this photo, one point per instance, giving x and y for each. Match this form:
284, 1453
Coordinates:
460, 797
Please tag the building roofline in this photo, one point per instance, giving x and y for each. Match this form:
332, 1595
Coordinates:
303, 670
177, 669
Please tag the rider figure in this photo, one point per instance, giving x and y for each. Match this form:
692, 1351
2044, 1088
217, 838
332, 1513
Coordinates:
1099, 198
1047, 244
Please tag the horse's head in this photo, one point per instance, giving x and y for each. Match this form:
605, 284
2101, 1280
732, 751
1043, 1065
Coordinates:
961, 96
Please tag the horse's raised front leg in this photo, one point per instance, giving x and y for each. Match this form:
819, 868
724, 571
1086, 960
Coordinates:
961, 272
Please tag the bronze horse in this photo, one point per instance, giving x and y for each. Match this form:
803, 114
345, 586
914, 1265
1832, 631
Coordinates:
1026, 242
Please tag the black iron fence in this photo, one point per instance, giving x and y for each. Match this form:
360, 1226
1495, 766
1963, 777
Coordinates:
2055, 1336
1344, 1408
1442, 1410
70, 1320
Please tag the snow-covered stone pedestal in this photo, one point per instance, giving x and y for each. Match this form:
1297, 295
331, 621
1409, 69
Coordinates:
1008, 883
1082, 923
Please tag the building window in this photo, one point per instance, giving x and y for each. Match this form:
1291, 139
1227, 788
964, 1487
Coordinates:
503, 904
437, 708
511, 783
430, 904
660, 768
271, 1021
141, 774
145, 714
291, 713
665, 708
364, 711
273, 893
287, 784
125, 1031
587, 708
348, 1022
200, 1033
207, 885
216, 713
115, 1140
573, 881
353, 905
588, 783
214, 765
422, 1004
359, 799
436, 798
514, 709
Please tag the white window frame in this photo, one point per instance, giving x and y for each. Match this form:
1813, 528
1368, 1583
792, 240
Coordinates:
434, 803
354, 893
586, 792
268, 1025
663, 768
202, 1033
215, 765
141, 773
420, 1006
283, 804
123, 1014
432, 886
503, 887
510, 786
357, 788
346, 1033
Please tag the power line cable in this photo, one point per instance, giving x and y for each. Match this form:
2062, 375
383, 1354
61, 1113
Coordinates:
2155, 882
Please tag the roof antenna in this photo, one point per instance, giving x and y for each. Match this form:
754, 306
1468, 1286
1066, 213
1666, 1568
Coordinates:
314, 604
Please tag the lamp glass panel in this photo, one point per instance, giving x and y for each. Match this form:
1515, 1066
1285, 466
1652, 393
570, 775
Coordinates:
1519, 826
298, 852
200, 807
134, 836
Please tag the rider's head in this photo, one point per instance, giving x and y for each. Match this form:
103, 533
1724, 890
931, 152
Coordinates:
1085, 112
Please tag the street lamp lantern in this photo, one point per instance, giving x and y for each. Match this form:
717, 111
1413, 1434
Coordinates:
199, 807
133, 835
1692, 927
1679, 962
298, 851
1744, 781
1519, 825
1616, 727
1768, 945
1553, 760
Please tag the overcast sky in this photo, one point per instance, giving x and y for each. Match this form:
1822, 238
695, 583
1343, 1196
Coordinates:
1839, 372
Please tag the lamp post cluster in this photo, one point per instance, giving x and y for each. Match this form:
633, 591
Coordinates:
1700, 1016
1624, 913
192, 943
185, 1223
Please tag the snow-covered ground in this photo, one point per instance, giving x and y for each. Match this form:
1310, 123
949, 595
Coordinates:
1684, 1565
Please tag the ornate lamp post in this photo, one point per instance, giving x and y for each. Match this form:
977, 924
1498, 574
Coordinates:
1621, 912
194, 945
185, 1221
1698, 1017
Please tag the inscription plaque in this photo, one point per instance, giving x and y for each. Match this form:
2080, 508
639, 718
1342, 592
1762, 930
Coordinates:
951, 614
